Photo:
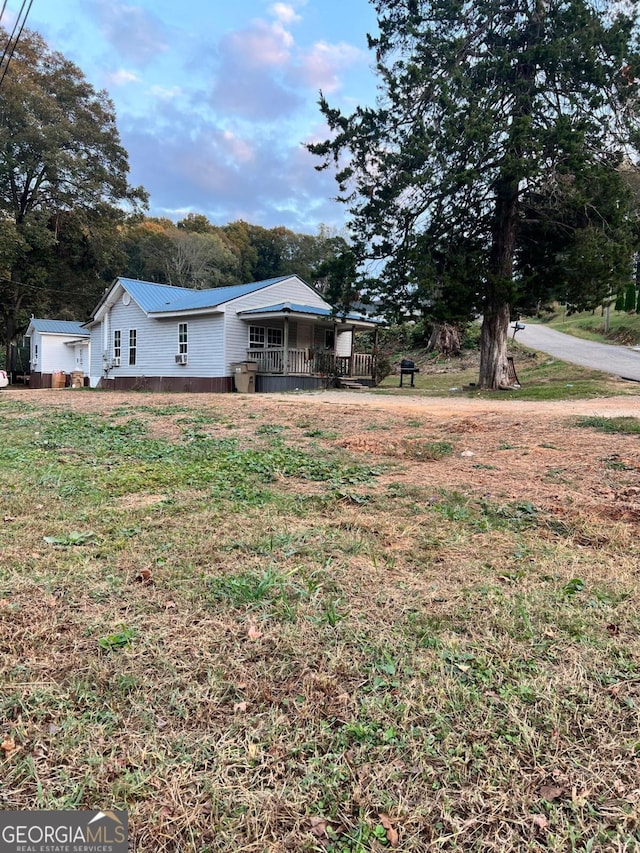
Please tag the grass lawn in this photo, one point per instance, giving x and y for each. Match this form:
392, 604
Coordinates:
624, 328
292, 626
541, 376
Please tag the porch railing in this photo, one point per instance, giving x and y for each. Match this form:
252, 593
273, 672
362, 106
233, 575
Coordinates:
307, 362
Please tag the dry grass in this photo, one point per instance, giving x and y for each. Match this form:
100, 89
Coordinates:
293, 631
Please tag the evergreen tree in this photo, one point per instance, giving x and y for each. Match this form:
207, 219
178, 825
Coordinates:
630, 297
483, 104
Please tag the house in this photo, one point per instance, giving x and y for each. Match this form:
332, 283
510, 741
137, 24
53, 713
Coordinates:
161, 337
57, 347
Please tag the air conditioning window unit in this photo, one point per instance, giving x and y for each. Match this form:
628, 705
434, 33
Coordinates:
115, 361
181, 358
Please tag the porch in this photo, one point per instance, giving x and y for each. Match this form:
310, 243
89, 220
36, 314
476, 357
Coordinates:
298, 346
310, 362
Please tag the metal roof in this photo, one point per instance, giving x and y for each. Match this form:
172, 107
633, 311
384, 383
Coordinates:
164, 298
282, 307
59, 327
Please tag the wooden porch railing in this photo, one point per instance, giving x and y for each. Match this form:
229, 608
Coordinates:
312, 362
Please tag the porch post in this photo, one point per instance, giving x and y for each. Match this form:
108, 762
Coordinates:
353, 340
285, 366
375, 354
334, 355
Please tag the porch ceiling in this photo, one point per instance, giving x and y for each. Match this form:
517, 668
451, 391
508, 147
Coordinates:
305, 312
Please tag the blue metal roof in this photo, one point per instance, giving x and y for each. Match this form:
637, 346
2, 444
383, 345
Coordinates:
151, 296
305, 309
59, 327
161, 298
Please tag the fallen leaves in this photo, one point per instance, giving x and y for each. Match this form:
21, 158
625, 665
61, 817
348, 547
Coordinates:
9, 746
319, 827
540, 821
551, 792
253, 633
144, 576
392, 833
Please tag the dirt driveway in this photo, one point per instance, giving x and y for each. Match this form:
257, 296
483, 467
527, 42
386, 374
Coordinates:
462, 406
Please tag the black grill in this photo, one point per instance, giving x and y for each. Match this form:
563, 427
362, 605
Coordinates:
408, 368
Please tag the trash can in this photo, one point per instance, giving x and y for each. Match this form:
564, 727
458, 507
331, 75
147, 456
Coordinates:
244, 376
77, 379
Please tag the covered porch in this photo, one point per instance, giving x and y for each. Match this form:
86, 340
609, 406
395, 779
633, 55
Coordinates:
303, 341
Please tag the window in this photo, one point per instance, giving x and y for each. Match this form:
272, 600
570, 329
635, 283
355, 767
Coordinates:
133, 344
117, 343
259, 337
182, 338
329, 339
274, 337
256, 337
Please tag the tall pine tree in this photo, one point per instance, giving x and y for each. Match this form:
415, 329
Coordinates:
481, 104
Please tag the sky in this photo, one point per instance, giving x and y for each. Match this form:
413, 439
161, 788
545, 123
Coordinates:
215, 99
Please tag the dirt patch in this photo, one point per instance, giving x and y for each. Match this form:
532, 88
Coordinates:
505, 448
139, 501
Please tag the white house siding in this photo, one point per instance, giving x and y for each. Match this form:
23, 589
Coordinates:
237, 330
53, 353
35, 350
157, 344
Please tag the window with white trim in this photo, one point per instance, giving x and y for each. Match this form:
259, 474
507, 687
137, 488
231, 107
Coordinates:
256, 337
133, 345
182, 338
117, 343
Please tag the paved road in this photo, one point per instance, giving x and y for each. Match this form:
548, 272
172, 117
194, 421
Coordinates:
620, 361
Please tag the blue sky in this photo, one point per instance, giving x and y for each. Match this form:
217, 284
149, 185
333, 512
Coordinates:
215, 98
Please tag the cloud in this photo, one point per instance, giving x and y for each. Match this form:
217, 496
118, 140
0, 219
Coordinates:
249, 79
321, 67
227, 176
166, 93
263, 74
262, 45
122, 77
132, 31
285, 13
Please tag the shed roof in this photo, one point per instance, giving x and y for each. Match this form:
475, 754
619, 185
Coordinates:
59, 327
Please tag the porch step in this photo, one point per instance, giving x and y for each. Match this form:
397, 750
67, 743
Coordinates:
350, 384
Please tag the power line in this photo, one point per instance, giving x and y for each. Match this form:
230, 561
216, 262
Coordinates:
13, 38
49, 288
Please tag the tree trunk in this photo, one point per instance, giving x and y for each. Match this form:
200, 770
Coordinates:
494, 373
494, 368
445, 339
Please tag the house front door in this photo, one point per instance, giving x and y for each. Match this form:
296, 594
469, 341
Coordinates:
305, 336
